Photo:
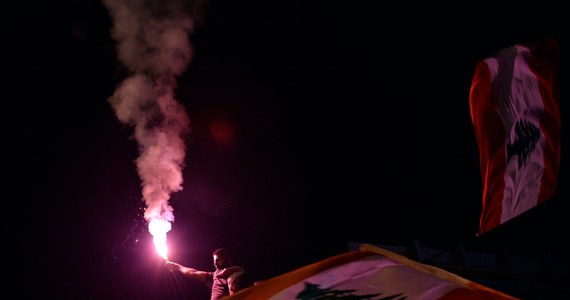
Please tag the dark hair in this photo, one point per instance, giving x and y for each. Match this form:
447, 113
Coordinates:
222, 252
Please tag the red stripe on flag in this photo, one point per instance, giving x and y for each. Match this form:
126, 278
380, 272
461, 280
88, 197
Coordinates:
544, 65
492, 158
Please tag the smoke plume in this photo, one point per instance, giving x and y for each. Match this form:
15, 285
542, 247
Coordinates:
152, 42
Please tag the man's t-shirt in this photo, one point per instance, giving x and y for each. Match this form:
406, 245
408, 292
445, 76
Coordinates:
221, 281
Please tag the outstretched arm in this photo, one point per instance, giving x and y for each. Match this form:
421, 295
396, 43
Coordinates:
187, 272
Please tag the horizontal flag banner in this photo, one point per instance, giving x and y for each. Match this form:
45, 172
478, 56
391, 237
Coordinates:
370, 273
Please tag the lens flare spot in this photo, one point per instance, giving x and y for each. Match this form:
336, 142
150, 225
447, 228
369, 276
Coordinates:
222, 131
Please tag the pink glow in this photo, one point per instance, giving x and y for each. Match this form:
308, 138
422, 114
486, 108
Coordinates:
158, 229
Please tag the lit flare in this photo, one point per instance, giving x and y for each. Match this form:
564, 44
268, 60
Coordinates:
158, 229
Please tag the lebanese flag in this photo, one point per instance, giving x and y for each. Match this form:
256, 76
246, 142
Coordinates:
514, 102
369, 273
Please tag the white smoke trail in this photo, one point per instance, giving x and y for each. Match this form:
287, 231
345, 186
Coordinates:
153, 43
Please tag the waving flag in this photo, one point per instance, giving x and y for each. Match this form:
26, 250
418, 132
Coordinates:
514, 102
370, 273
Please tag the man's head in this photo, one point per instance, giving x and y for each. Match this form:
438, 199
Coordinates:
222, 258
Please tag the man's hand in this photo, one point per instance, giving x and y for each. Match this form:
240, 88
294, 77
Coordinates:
171, 266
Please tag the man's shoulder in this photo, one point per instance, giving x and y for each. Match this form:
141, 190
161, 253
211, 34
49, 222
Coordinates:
230, 271
234, 269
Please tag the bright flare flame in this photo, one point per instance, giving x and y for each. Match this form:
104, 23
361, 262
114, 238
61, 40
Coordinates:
158, 229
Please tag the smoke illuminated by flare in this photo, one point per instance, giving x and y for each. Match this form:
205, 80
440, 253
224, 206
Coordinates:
152, 42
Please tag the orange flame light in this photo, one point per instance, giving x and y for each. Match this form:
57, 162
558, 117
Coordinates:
158, 229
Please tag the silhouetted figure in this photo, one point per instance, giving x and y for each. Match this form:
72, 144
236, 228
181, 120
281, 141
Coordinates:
224, 281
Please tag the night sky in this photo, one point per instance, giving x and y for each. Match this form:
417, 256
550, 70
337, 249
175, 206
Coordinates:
314, 124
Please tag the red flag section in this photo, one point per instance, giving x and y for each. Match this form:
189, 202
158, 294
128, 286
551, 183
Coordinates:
514, 103
370, 273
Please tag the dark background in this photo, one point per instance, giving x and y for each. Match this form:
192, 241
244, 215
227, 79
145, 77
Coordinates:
350, 123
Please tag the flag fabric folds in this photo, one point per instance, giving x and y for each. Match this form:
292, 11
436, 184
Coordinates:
369, 273
514, 103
